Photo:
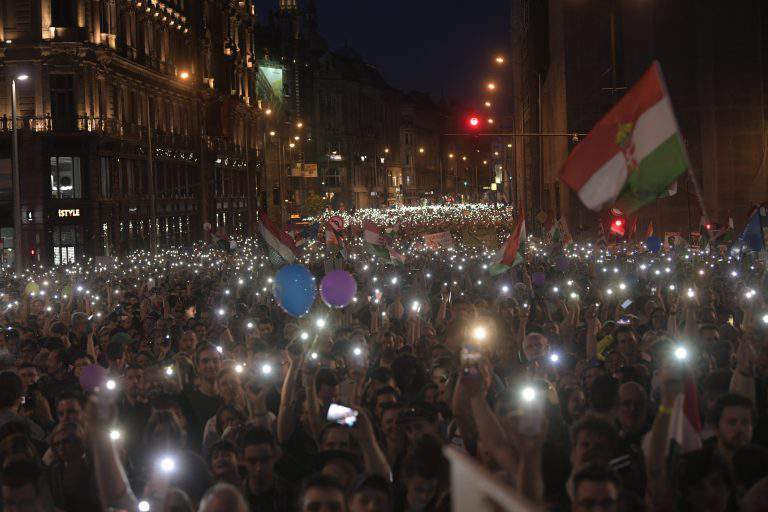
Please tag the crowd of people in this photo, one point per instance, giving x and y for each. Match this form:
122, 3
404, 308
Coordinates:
586, 378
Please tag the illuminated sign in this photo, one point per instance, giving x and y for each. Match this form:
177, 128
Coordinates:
72, 212
274, 77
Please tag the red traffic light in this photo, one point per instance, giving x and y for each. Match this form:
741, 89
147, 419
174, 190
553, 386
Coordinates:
474, 121
617, 226
32, 252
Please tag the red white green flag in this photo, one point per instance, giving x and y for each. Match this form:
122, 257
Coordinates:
511, 253
634, 153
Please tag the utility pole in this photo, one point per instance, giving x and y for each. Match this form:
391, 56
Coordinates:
17, 257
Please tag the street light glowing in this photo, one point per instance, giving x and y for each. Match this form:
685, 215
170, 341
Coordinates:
499, 59
491, 86
487, 103
184, 75
268, 111
272, 133
450, 155
299, 124
421, 150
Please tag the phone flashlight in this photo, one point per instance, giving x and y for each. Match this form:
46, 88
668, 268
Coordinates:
115, 434
357, 351
528, 394
320, 323
167, 464
111, 384
304, 336
554, 357
266, 369
479, 333
144, 506
239, 368
681, 353
169, 371
415, 306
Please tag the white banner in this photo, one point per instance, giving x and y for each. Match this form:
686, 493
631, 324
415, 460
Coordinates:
476, 489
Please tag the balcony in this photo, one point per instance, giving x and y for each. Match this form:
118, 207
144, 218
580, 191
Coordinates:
75, 124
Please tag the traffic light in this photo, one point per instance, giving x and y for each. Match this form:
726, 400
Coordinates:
474, 122
32, 252
618, 226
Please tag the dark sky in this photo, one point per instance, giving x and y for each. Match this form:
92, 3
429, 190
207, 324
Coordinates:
441, 47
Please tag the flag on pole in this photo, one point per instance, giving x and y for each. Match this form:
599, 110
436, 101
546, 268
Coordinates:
511, 253
649, 230
277, 240
633, 154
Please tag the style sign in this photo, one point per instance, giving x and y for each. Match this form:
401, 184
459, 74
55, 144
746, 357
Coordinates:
71, 212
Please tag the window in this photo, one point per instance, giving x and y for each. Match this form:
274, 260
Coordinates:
62, 102
67, 242
61, 13
106, 178
66, 180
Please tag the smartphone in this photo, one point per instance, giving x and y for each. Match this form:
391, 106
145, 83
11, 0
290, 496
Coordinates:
624, 320
626, 304
532, 413
342, 415
470, 363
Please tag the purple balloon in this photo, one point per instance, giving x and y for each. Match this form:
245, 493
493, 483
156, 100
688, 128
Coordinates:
562, 264
337, 288
538, 278
92, 377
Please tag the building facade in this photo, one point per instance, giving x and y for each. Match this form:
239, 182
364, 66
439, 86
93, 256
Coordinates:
139, 124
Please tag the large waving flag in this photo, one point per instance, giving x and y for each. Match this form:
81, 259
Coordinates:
279, 242
334, 239
633, 154
511, 253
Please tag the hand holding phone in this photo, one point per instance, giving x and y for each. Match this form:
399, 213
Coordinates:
342, 415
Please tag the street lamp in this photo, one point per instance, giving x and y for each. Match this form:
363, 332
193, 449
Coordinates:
491, 86
490, 120
16, 185
499, 59
421, 150
488, 104
299, 124
184, 75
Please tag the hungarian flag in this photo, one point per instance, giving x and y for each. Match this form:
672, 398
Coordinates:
511, 253
684, 434
279, 242
375, 242
633, 154
379, 244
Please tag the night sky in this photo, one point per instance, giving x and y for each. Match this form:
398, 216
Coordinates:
444, 47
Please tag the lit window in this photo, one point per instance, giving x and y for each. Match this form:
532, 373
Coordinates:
66, 179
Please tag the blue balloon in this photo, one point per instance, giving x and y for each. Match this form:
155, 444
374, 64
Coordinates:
653, 243
295, 289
